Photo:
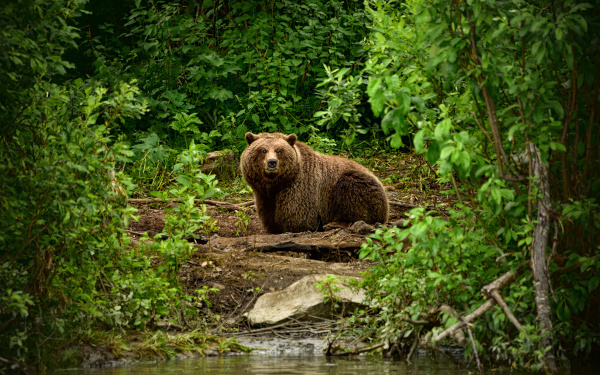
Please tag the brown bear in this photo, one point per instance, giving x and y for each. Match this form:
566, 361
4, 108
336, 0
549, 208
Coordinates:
297, 189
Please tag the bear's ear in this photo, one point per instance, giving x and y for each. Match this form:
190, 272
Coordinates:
250, 138
291, 139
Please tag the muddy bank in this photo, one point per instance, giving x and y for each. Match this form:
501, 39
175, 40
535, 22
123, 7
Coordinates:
244, 263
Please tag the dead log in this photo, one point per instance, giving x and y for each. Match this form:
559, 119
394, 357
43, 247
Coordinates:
303, 247
538, 255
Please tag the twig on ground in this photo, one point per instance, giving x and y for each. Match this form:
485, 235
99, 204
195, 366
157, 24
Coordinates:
358, 351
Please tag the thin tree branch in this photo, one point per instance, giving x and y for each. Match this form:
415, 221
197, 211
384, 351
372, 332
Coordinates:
479, 365
496, 295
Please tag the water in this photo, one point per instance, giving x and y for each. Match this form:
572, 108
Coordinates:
282, 356
282, 364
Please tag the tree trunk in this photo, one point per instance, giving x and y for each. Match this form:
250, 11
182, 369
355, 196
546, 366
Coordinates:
538, 256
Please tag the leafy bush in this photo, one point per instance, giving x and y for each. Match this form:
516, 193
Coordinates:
227, 68
62, 211
476, 84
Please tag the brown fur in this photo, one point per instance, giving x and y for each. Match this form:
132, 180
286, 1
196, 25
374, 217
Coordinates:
305, 189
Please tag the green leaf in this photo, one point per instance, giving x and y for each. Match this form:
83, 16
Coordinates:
538, 114
184, 180
588, 263
220, 94
442, 130
496, 195
557, 146
403, 100
433, 152
557, 108
419, 141
396, 141
374, 86
593, 283
377, 101
419, 103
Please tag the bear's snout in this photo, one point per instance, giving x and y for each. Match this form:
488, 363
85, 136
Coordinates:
272, 163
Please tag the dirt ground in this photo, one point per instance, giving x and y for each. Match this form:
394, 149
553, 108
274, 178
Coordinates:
238, 264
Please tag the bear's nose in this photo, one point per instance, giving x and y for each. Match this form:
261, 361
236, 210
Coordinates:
272, 163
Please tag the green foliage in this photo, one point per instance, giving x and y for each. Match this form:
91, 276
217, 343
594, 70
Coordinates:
185, 219
225, 68
34, 35
62, 214
320, 142
470, 85
476, 82
343, 96
66, 261
447, 263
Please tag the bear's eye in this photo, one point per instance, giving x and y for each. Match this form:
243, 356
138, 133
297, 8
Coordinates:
264, 150
278, 150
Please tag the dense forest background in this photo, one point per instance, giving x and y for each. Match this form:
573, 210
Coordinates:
101, 99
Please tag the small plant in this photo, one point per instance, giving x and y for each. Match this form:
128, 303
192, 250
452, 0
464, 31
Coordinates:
185, 219
203, 296
329, 286
249, 275
187, 124
243, 220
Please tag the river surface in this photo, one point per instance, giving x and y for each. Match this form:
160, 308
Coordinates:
283, 364
283, 357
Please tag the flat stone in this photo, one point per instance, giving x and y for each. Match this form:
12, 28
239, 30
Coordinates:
303, 301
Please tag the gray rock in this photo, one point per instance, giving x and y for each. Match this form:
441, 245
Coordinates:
303, 301
220, 163
361, 227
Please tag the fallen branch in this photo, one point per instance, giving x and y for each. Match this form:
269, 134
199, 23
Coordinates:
420, 322
290, 327
497, 284
201, 240
226, 205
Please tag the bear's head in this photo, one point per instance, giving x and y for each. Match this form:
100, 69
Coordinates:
270, 159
